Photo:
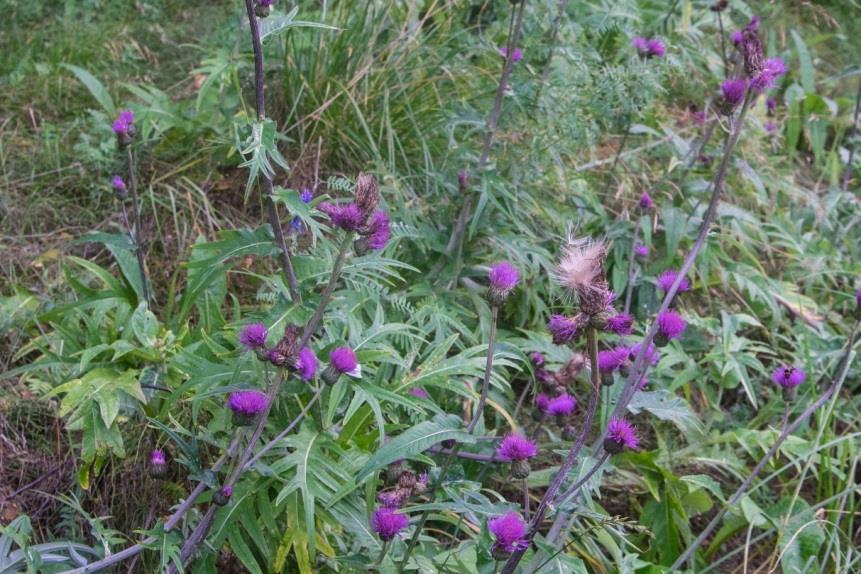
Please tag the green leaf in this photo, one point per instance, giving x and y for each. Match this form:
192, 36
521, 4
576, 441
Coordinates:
666, 406
415, 440
144, 325
96, 88
808, 76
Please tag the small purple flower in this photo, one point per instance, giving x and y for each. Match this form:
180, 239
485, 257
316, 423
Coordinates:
379, 230
248, 403
733, 92
771, 70
652, 355
118, 183
657, 49
158, 466
419, 393
343, 359
736, 37
253, 336
668, 277
670, 325
542, 401
387, 523
620, 324
123, 122
561, 406
306, 364
537, 359
348, 217
646, 201
788, 377
641, 45
306, 196
641, 251
621, 435
156, 457
753, 25
504, 276
611, 359
562, 328
227, 491
516, 447
516, 56
509, 530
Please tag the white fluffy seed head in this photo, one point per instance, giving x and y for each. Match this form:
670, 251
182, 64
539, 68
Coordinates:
581, 268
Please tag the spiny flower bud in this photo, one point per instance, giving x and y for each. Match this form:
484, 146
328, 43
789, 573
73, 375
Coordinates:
393, 471
463, 180
124, 127
158, 464
119, 186
719, 6
599, 320
568, 432
263, 8
789, 377
732, 94
858, 305
503, 278
222, 495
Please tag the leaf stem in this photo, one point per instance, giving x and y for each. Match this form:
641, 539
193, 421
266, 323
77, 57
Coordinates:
136, 216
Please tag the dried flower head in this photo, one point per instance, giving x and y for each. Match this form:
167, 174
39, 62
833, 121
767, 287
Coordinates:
788, 376
621, 435
367, 196
509, 532
772, 69
563, 329
285, 351
581, 273
387, 523
570, 369
306, 364
516, 447
391, 499
751, 49
253, 336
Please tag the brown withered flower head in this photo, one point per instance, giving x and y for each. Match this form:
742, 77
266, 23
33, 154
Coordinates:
581, 273
569, 371
751, 48
367, 196
284, 353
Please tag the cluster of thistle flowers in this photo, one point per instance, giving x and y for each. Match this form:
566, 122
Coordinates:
401, 485
125, 130
361, 216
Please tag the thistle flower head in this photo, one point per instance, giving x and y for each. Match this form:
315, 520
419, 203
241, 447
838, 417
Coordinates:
788, 376
419, 393
367, 196
463, 180
736, 37
858, 297
247, 403
123, 122
516, 55
561, 406
516, 447
621, 433
640, 44
253, 336
671, 325
542, 401
503, 278
753, 25
719, 6
509, 532
657, 49
751, 49
343, 359
770, 127
770, 105
378, 230
562, 328
772, 69
537, 359
611, 359
652, 355
581, 272
733, 91
641, 251
620, 323
156, 457
645, 201
118, 183
668, 277
306, 364
387, 523
348, 217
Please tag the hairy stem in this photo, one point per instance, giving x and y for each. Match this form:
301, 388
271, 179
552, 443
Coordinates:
787, 430
260, 108
136, 217
550, 494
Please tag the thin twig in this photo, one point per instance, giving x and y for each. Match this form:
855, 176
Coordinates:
136, 215
272, 443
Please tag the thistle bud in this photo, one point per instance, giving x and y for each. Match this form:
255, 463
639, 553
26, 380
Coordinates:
119, 187
568, 432
222, 495
393, 471
449, 443
520, 468
463, 180
367, 196
407, 480
263, 8
158, 464
599, 320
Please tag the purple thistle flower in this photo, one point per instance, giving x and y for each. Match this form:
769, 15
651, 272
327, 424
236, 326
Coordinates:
736, 37
668, 277
265, 3
753, 25
253, 336
419, 392
788, 376
542, 401
156, 457
641, 251
118, 183
562, 328
641, 45
858, 297
772, 69
621, 435
670, 325
123, 122
611, 359
348, 217
306, 364
561, 406
537, 359
248, 403
509, 530
733, 92
516, 56
227, 491
652, 355
620, 324
504, 276
379, 230
657, 49
516, 447
646, 201
343, 359
387, 523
